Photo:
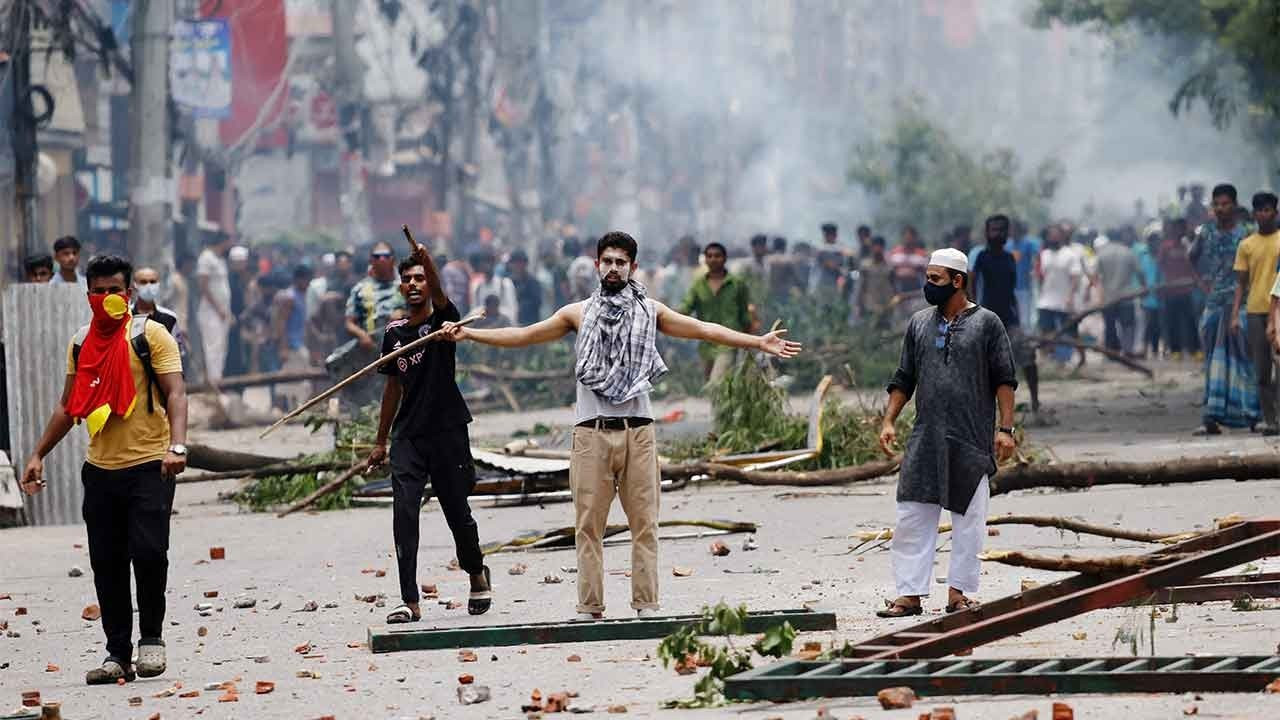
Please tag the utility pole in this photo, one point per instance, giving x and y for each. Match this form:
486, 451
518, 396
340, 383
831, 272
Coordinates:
349, 91
24, 141
149, 179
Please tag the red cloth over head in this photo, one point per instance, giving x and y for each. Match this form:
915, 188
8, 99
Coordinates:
103, 384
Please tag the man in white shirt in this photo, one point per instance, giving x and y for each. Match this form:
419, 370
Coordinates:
1061, 270
214, 309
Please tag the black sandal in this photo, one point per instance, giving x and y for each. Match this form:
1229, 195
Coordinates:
895, 609
479, 602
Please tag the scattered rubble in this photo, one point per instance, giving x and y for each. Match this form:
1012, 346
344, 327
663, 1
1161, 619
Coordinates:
466, 656
92, 613
896, 698
681, 571
217, 553
472, 694
244, 602
75, 571
517, 569
719, 549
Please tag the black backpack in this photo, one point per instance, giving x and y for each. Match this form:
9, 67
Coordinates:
141, 348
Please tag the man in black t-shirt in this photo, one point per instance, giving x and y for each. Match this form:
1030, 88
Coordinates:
426, 417
995, 274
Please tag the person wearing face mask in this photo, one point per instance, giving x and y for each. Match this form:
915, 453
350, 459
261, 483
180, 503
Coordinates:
958, 364
146, 296
614, 449
127, 388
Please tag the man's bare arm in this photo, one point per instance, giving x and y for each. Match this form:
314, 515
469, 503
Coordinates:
438, 297
60, 422
174, 388
680, 325
1004, 399
555, 327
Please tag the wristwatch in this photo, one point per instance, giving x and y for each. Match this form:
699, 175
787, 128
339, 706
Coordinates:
1008, 430
178, 449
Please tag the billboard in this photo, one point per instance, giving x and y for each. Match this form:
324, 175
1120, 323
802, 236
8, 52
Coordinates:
200, 67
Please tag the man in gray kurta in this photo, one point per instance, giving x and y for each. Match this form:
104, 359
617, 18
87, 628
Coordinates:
957, 362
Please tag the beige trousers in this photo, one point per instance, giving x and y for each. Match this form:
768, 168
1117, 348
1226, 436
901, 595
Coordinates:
605, 463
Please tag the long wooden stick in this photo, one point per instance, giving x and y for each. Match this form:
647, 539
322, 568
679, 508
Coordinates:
1105, 352
1061, 523
326, 489
1088, 565
1074, 320
477, 315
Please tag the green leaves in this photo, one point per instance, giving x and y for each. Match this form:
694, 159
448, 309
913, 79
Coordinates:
721, 661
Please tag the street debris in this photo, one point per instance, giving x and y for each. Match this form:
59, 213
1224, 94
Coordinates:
1062, 711
681, 571
75, 571
563, 537
92, 613
552, 580
467, 656
430, 591
719, 549
243, 602
896, 698
472, 694
263, 687
749, 543
217, 553
574, 658
211, 594
517, 569
1087, 565
309, 606
465, 679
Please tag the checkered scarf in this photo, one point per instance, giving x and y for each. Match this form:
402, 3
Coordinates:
617, 352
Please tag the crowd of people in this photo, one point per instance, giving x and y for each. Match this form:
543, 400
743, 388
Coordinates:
1169, 284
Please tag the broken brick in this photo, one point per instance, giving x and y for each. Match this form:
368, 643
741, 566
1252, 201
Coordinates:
719, 549
20, 611
189, 694
465, 679
896, 698
202, 631
680, 571
217, 553
1274, 687
943, 713
228, 697
617, 709
211, 593
303, 649
1063, 711
154, 716
993, 532
556, 702
31, 698
687, 665
91, 613
1032, 714
262, 687
574, 658
466, 656
50, 667
135, 701
430, 591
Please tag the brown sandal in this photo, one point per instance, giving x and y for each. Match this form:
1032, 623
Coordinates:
963, 604
894, 609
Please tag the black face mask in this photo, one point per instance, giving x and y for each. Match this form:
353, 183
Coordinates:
939, 294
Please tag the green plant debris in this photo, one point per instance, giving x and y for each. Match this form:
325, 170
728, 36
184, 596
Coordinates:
686, 648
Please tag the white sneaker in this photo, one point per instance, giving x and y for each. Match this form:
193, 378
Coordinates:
151, 660
646, 613
590, 616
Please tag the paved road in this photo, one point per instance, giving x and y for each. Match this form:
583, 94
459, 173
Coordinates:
802, 558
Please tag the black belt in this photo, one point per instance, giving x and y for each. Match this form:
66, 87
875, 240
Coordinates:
615, 423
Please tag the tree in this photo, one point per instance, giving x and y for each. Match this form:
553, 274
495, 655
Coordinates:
923, 177
1228, 46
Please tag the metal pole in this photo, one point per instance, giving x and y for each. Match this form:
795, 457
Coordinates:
149, 179
25, 143
348, 93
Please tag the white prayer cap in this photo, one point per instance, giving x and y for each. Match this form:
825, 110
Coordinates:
950, 258
239, 252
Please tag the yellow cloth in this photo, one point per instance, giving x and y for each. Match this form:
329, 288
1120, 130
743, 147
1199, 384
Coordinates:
143, 436
1257, 255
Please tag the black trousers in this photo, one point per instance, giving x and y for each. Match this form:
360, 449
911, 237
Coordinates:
443, 459
126, 513
1118, 322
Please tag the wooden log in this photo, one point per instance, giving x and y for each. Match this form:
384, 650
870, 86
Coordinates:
1061, 523
1118, 564
261, 472
204, 457
1074, 320
1118, 357
796, 478
326, 489
237, 382
563, 536
1260, 466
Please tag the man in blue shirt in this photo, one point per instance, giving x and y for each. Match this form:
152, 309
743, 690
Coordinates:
1024, 249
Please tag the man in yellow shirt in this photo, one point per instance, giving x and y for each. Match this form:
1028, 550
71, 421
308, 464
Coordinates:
136, 415
1255, 269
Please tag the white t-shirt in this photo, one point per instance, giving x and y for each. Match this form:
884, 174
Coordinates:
209, 265
1060, 267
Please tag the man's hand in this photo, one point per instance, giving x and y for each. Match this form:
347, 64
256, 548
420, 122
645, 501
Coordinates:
774, 344
378, 456
33, 476
1235, 323
1005, 445
365, 340
453, 332
888, 437
172, 465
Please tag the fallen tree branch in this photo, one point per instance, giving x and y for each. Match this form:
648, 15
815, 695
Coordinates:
1261, 466
237, 382
1118, 357
1074, 320
564, 537
204, 457
793, 478
1061, 523
262, 472
329, 487
1120, 564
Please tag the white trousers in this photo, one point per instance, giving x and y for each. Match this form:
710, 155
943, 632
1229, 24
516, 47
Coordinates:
213, 335
916, 538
